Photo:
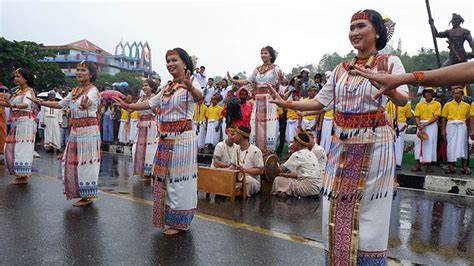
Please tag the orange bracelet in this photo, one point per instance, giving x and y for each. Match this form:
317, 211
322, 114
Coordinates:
419, 76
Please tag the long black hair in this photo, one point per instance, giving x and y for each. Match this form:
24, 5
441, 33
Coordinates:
26, 74
185, 57
272, 53
380, 29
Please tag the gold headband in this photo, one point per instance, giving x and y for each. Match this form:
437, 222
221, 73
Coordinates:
82, 64
360, 15
309, 133
241, 132
302, 142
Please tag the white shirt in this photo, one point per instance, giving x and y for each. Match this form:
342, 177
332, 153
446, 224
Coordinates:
207, 93
201, 79
224, 152
250, 158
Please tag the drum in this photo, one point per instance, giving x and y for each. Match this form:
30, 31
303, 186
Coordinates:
272, 170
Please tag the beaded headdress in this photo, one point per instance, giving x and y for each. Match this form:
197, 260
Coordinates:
82, 64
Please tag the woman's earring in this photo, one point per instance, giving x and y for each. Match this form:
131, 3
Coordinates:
377, 36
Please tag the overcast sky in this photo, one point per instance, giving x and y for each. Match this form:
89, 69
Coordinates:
224, 35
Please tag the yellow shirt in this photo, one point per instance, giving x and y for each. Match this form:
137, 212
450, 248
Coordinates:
426, 111
309, 117
200, 113
456, 111
125, 115
329, 114
134, 115
214, 112
404, 112
291, 114
279, 111
472, 109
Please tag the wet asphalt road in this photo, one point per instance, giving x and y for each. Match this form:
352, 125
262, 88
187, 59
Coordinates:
38, 226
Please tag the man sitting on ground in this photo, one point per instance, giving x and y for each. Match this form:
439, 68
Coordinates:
224, 151
248, 159
300, 175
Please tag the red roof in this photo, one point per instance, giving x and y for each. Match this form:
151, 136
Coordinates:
83, 45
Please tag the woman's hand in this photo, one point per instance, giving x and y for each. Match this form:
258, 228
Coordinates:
187, 82
382, 79
119, 102
35, 100
276, 97
229, 77
85, 103
5, 103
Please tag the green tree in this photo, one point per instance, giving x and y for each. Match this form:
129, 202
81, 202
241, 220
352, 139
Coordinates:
26, 54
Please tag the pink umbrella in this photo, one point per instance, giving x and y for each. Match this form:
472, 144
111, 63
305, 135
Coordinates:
109, 94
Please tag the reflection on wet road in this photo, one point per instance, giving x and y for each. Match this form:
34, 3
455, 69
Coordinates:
426, 228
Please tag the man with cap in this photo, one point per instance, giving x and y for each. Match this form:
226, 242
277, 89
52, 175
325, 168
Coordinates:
426, 115
51, 121
225, 150
455, 113
300, 175
248, 159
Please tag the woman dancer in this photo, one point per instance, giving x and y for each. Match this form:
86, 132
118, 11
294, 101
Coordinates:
20, 142
358, 185
264, 119
144, 147
81, 158
175, 165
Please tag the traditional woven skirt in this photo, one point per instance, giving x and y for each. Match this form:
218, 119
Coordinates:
144, 147
81, 159
358, 190
175, 169
264, 123
20, 144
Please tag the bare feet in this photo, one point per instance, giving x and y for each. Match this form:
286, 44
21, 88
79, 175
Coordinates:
19, 180
82, 202
171, 231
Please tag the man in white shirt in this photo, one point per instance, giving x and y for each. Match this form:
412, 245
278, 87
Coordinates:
248, 159
224, 151
201, 77
208, 92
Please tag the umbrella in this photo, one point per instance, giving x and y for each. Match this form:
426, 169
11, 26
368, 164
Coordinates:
108, 94
45, 95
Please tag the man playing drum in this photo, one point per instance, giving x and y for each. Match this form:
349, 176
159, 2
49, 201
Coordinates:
300, 175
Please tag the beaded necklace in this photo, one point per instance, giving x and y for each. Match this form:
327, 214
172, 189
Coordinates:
265, 68
78, 92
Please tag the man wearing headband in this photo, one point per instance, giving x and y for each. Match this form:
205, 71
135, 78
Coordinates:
426, 115
224, 151
51, 120
248, 159
455, 114
300, 175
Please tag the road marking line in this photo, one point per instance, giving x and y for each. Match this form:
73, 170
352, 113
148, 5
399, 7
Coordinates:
239, 225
